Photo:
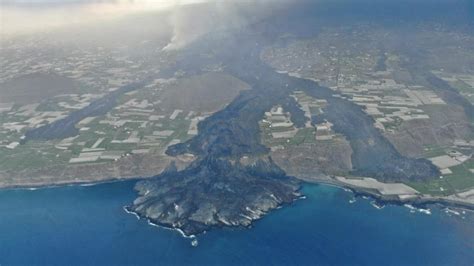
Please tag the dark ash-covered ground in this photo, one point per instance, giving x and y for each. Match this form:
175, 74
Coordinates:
217, 189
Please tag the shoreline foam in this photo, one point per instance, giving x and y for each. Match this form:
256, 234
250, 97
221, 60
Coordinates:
420, 201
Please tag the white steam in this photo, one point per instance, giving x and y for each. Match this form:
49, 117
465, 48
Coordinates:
192, 21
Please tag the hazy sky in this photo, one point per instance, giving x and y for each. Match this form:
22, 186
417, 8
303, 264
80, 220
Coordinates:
187, 22
30, 16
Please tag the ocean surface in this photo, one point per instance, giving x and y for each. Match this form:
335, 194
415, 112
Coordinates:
79, 225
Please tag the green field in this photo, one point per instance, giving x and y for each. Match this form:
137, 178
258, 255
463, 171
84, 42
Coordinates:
433, 151
433, 187
32, 155
461, 179
463, 89
304, 135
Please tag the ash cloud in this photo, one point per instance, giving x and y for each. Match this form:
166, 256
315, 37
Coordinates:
190, 22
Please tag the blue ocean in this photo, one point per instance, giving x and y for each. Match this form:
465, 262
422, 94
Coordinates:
79, 225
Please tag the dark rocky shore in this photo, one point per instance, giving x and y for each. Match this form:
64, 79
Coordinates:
214, 192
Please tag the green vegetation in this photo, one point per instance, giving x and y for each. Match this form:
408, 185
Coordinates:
49, 106
304, 135
433, 187
460, 180
464, 89
433, 151
461, 86
394, 124
33, 155
76, 149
